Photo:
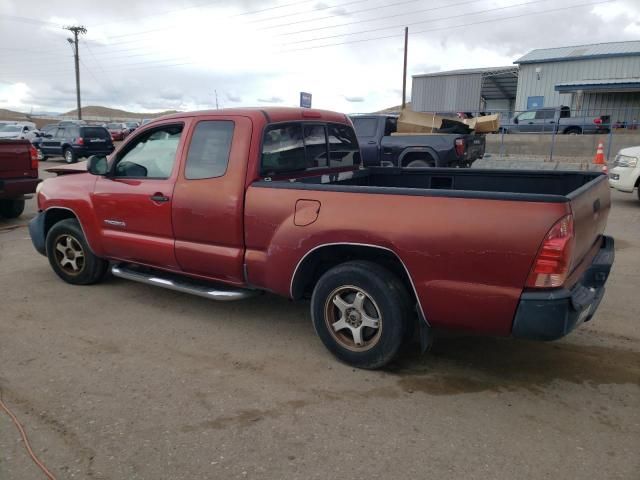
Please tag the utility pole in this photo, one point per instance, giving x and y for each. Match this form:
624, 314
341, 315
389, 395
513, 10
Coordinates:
404, 70
216, 94
77, 30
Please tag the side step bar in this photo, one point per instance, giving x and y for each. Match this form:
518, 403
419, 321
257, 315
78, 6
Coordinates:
181, 284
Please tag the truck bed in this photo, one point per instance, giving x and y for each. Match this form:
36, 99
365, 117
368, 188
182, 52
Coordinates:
525, 185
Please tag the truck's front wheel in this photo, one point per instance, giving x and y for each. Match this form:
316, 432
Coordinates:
70, 256
360, 312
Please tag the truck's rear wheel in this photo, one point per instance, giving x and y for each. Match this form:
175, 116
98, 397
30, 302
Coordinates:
360, 312
573, 131
11, 208
70, 256
421, 164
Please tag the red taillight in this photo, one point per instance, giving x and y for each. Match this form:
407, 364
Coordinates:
79, 141
551, 266
597, 121
34, 157
459, 146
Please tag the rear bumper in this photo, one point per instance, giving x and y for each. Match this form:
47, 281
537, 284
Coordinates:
36, 231
18, 187
553, 314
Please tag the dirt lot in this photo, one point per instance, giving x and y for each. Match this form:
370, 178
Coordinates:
125, 381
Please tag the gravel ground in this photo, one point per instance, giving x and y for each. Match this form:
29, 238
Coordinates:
125, 381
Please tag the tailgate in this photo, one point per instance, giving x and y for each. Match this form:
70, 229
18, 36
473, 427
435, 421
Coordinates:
590, 205
475, 146
15, 158
96, 139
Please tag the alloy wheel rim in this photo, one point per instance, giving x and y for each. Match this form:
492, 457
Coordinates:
353, 318
69, 254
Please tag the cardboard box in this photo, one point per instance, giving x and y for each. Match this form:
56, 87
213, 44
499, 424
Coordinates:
413, 122
486, 124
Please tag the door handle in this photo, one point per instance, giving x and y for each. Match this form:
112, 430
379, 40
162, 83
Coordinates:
530, 123
159, 197
371, 142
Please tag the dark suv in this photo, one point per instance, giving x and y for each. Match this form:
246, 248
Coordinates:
76, 141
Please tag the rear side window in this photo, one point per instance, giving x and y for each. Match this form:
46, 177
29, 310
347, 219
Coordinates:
365, 127
295, 147
283, 149
208, 155
95, 132
343, 146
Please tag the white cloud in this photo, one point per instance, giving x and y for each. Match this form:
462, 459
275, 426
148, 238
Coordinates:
158, 54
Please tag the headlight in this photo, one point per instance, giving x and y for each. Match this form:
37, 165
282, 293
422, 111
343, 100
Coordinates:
39, 186
625, 161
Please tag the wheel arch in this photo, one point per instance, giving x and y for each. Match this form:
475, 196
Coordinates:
320, 259
417, 153
54, 215
572, 128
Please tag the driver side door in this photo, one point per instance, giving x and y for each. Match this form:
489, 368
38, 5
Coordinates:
133, 203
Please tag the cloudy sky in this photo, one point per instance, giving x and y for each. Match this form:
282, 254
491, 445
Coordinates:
151, 55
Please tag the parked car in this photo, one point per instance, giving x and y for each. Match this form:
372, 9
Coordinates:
131, 126
145, 121
558, 120
18, 131
118, 131
67, 123
226, 204
18, 175
74, 142
378, 147
624, 174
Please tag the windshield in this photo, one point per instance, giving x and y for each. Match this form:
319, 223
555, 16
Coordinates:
114, 126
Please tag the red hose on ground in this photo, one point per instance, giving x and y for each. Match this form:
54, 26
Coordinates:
27, 445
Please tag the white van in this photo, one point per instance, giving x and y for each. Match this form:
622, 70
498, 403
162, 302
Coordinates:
624, 174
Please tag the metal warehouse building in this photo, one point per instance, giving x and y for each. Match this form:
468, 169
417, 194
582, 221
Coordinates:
471, 90
597, 79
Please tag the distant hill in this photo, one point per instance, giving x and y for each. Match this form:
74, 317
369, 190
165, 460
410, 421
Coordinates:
395, 109
106, 112
11, 115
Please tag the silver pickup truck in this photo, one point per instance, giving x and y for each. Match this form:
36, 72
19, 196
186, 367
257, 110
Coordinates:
556, 120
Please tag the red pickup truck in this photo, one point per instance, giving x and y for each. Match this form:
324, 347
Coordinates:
18, 175
226, 204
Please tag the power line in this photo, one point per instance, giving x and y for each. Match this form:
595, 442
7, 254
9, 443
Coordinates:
160, 64
354, 11
449, 27
490, 10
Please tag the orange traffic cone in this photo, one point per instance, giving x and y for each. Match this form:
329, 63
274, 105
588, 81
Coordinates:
599, 157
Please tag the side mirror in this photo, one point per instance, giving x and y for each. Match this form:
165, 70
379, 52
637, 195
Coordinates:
515, 120
98, 165
47, 135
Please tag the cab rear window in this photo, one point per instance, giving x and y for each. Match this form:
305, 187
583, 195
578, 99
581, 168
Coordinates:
305, 146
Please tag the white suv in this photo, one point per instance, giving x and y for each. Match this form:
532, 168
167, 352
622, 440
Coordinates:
624, 174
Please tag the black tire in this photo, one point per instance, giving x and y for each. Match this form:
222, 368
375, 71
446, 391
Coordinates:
573, 131
421, 163
11, 208
71, 267
69, 155
384, 300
